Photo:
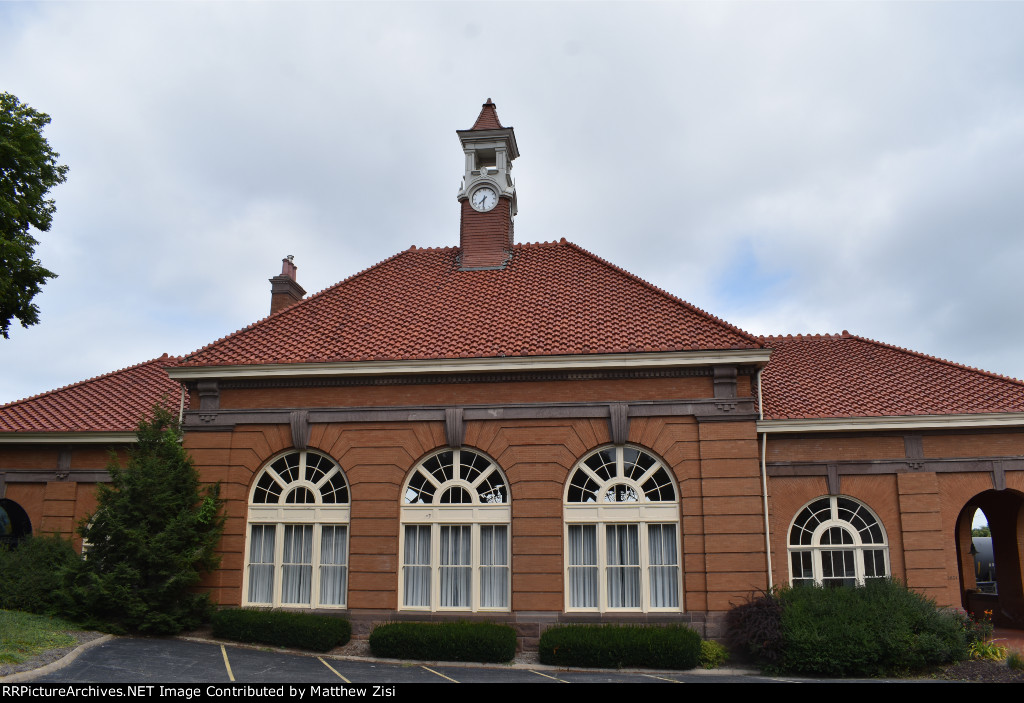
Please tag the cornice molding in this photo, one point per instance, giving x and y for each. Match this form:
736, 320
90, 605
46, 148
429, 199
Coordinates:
580, 362
895, 466
740, 409
896, 422
44, 476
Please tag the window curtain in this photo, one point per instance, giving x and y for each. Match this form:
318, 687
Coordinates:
837, 568
333, 564
261, 563
297, 570
583, 566
456, 566
623, 552
664, 561
417, 566
493, 566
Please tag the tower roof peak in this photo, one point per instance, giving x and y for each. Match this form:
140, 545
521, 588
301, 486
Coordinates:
488, 118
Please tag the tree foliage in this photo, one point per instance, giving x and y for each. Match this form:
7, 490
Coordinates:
28, 169
152, 535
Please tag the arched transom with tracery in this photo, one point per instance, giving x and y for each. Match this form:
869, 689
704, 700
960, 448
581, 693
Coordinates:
622, 533
297, 537
456, 522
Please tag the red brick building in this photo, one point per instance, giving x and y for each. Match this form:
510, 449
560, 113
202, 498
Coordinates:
527, 433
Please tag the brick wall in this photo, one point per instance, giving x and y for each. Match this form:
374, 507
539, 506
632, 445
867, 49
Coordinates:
715, 465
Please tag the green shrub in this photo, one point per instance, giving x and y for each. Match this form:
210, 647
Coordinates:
1015, 661
446, 641
321, 633
878, 629
33, 573
754, 628
615, 646
154, 532
713, 654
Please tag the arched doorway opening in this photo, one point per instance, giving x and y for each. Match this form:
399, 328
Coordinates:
982, 587
14, 523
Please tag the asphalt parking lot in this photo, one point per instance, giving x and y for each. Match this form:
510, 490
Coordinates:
170, 661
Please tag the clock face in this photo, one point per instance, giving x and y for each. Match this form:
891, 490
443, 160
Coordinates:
483, 199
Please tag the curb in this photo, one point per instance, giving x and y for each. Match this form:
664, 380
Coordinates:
57, 665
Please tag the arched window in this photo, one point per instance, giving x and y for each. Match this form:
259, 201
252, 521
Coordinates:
297, 551
622, 533
837, 541
455, 534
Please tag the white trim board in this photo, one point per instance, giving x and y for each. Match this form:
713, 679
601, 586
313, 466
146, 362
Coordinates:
645, 360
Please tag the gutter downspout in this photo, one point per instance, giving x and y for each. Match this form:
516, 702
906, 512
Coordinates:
764, 482
181, 406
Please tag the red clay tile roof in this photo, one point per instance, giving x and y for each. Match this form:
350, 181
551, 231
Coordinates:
114, 402
829, 376
552, 299
488, 117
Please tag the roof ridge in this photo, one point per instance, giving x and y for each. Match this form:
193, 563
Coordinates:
163, 357
299, 303
801, 336
662, 291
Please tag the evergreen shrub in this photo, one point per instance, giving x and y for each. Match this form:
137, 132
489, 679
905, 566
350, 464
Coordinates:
616, 646
153, 534
877, 629
32, 574
445, 641
320, 633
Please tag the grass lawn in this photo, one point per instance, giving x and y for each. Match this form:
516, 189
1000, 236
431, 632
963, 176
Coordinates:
24, 634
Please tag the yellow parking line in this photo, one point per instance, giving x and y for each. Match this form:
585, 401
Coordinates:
227, 664
661, 678
333, 669
439, 674
549, 677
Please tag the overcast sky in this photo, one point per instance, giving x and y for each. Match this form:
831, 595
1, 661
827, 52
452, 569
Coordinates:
789, 167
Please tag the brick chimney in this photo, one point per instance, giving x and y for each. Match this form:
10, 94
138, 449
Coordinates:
488, 193
284, 289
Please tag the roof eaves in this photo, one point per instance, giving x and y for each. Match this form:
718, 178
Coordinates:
480, 364
889, 422
83, 437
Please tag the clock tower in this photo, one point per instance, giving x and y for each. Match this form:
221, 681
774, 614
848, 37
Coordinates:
487, 194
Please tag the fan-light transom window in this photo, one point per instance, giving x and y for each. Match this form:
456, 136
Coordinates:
297, 537
837, 541
622, 533
455, 538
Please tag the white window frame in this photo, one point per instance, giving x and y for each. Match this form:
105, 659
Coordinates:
436, 516
601, 513
281, 514
857, 546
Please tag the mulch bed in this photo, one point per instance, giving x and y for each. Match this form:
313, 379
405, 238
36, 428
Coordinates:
982, 672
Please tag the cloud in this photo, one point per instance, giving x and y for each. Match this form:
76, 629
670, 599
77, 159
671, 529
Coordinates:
788, 167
